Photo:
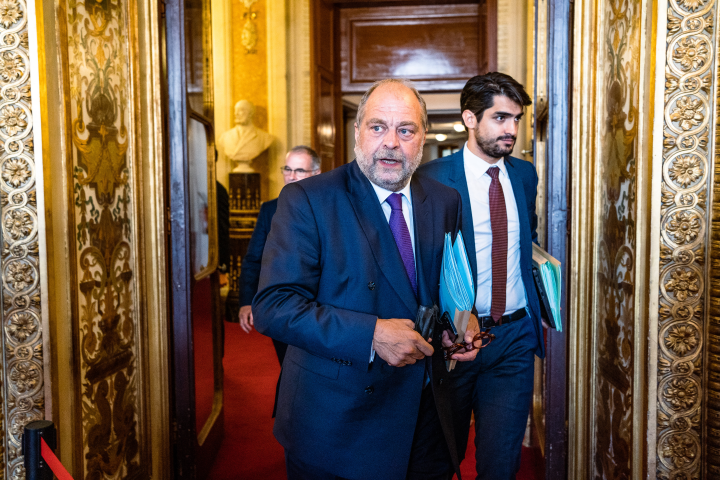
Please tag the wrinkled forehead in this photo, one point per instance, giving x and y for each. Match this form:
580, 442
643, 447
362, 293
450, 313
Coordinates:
393, 99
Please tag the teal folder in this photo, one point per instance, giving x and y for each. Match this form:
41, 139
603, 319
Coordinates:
548, 284
457, 289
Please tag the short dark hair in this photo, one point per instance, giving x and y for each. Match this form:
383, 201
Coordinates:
309, 152
479, 92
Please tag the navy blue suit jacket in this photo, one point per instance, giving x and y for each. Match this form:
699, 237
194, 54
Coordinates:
330, 269
251, 263
450, 171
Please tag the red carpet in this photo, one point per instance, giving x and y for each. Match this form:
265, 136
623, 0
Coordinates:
249, 451
532, 465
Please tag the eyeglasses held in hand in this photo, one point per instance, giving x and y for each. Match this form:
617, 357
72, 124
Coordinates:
299, 172
457, 347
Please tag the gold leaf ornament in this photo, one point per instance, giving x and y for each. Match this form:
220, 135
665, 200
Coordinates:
20, 276
691, 5
691, 52
249, 35
684, 227
16, 172
12, 66
681, 393
686, 170
688, 112
680, 449
681, 339
10, 12
12, 119
22, 325
683, 283
25, 376
18, 224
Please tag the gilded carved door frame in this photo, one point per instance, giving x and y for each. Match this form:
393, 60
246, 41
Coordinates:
651, 128
95, 244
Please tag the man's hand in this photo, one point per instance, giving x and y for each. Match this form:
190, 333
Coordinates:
246, 318
472, 329
398, 344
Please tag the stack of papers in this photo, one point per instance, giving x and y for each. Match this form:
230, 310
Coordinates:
457, 289
549, 285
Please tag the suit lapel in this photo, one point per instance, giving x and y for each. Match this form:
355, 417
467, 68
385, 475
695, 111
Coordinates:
458, 181
520, 201
378, 234
424, 239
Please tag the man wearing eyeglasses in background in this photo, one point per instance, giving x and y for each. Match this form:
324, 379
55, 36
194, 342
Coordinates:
300, 162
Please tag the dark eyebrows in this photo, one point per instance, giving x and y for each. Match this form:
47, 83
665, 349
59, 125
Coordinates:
508, 114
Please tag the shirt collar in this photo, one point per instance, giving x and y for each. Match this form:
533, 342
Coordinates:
383, 194
477, 166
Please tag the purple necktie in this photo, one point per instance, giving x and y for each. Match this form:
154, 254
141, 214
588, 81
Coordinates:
400, 231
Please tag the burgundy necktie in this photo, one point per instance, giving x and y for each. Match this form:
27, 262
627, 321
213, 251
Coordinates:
499, 227
400, 231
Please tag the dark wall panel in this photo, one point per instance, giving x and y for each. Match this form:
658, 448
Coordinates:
438, 47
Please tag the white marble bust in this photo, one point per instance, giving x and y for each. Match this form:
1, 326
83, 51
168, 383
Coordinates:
244, 142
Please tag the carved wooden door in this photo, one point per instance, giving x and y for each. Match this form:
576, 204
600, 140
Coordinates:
192, 239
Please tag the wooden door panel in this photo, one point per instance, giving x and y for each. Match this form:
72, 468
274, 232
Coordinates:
325, 115
438, 47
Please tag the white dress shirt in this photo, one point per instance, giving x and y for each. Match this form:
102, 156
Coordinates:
383, 194
479, 189
407, 211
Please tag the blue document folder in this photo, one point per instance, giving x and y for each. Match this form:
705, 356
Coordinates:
548, 283
457, 289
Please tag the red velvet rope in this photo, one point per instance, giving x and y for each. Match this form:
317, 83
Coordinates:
53, 462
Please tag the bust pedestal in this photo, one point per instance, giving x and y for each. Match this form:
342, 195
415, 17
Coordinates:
244, 193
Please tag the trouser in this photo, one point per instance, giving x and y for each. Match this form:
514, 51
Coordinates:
498, 387
429, 456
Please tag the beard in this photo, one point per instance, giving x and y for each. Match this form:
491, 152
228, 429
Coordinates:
392, 180
492, 146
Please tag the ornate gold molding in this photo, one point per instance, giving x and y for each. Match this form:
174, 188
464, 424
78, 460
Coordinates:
109, 369
620, 156
23, 385
712, 372
685, 167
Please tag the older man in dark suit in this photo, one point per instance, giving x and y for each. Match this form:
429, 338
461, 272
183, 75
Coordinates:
499, 225
351, 255
300, 162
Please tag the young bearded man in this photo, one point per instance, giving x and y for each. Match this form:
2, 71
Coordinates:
499, 225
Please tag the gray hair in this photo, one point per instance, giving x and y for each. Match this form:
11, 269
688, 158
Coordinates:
400, 81
305, 150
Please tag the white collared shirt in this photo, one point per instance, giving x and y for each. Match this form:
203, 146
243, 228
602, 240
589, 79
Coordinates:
479, 189
383, 194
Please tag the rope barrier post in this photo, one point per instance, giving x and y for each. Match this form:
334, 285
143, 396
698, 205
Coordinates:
36, 468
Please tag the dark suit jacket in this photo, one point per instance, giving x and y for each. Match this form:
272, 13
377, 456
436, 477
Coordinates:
450, 171
250, 271
223, 225
330, 269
